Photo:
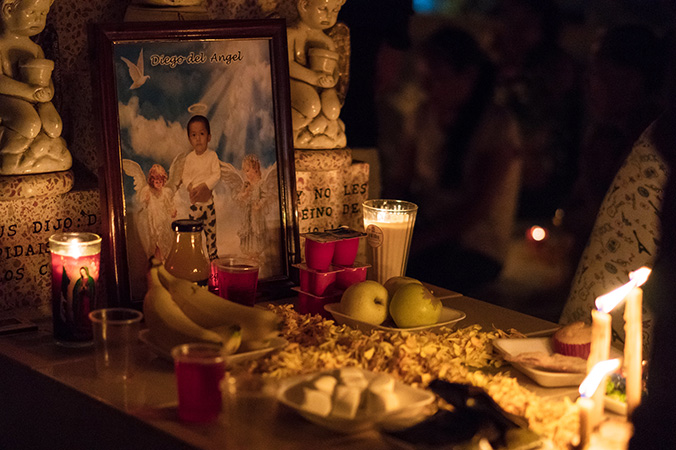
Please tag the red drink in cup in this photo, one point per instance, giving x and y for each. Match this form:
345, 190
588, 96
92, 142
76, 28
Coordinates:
237, 278
199, 370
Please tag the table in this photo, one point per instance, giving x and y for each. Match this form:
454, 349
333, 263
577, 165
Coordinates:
52, 398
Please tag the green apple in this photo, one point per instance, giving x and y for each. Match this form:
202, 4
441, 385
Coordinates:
366, 301
393, 284
413, 305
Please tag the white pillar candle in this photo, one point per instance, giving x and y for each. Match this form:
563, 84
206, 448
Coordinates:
633, 347
585, 407
600, 351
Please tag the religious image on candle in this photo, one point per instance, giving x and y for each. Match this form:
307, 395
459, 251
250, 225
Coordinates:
75, 272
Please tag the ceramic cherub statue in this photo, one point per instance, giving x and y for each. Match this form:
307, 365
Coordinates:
315, 74
30, 126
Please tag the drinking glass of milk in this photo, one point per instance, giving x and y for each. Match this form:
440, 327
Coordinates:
389, 229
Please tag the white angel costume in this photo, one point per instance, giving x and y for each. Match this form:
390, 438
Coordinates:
154, 208
254, 199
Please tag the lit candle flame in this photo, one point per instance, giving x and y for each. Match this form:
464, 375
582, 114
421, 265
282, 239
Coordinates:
538, 233
608, 301
74, 248
596, 376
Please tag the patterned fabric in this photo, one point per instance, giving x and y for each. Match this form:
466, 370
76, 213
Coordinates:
207, 214
625, 236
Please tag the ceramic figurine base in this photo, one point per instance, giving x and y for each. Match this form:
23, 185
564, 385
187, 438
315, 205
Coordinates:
14, 187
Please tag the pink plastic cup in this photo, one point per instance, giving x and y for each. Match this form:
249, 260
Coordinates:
314, 304
351, 275
236, 278
318, 255
199, 370
317, 282
346, 251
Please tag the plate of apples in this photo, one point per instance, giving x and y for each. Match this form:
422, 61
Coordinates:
402, 303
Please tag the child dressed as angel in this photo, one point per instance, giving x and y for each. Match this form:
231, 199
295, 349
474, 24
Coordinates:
201, 172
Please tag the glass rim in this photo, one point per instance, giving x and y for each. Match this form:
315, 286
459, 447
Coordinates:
209, 353
98, 316
75, 237
390, 205
252, 263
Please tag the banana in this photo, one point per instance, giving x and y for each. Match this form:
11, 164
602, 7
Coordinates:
209, 310
168, 326
232, 338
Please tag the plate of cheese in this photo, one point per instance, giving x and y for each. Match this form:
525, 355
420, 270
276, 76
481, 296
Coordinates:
352, 400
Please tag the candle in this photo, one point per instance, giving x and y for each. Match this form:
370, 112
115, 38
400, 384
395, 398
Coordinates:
601, 331
599, 351
585, 407
75, 272
589, 416
633, 347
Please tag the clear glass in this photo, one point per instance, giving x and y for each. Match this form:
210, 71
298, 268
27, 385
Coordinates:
389, 230
76, 260
187, 258
115, 339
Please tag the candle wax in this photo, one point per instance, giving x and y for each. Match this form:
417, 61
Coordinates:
633, 347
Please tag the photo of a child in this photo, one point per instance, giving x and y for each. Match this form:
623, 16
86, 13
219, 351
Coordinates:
201, 172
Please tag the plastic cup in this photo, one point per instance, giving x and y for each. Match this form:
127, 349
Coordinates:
199, 368
237, 278
115, 333
389, 229
318, 255
346, 251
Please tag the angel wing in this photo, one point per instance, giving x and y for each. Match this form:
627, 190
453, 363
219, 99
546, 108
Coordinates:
340, 33
176, 171
231, 177
270, 180
133, 169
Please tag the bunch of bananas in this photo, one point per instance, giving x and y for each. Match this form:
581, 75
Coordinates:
177, 312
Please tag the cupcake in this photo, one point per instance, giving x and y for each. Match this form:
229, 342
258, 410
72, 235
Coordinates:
573, 340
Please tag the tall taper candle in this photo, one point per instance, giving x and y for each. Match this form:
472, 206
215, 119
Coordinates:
585, 407
633, 347
600, 351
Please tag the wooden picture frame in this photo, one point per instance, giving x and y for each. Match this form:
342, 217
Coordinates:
149, 79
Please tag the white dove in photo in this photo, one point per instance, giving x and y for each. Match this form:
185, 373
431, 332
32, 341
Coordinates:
136, 71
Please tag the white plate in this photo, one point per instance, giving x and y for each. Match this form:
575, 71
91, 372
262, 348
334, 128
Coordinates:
235, 358
614, 405
415, 406
449, 317
514, 347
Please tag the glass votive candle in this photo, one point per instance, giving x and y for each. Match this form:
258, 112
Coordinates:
76, 261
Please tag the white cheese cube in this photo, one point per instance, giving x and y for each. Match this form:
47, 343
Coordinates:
380, 398
382, 383
325, 383
346, 400
316, 402
353, 376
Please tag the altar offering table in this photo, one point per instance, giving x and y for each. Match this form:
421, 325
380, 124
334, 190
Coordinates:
50, 397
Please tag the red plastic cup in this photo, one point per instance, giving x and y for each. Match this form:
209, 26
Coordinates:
317, 282
314, 304
346, 251
351, 275
236, 278
318, 255
199, 368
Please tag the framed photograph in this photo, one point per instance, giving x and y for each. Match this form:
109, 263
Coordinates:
195, 123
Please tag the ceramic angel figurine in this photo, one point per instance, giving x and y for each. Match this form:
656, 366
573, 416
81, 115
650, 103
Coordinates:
30, 126
253, 189
154, 204
314, 71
